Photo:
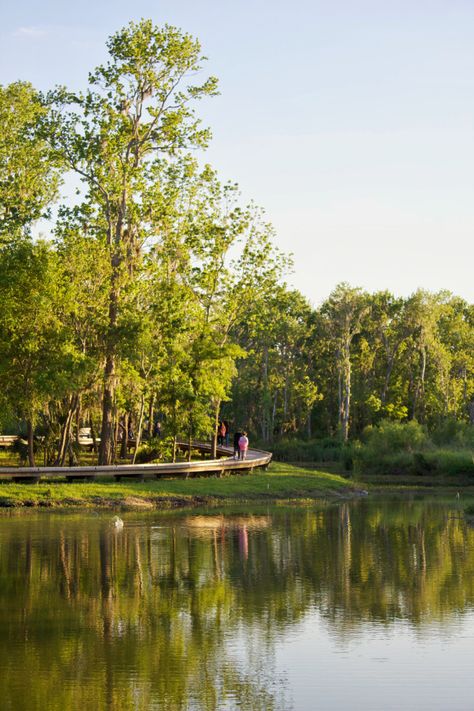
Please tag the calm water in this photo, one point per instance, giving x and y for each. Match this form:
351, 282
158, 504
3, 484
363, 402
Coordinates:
367, 605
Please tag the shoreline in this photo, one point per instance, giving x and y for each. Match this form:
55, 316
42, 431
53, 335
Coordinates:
172, 504
281, 483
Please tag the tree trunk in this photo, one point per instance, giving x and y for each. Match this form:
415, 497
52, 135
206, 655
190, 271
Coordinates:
214, 436
139, 433
151, 409
285, 405
30, 434
93, 435
272, 425
388, 373
107, 429
265, 399
78, 418
116, 431
422, 384
106, 450
346, 392
471, 412
190, 441
420, 387
124, 446
66, 432
340, 408
72, 455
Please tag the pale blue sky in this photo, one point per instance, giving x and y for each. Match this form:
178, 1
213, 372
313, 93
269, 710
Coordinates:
351, 123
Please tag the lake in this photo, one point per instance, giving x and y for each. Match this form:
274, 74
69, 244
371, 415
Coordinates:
360, 605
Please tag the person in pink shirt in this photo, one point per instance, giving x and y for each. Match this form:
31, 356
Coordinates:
243, 445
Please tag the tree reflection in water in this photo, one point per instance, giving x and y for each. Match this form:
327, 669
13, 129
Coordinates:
183, 612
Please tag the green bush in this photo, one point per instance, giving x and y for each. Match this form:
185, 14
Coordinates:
391, 437
443, 462
422, 465
454, 433
347, 457
453, 463
405, 449
388, 464
298, 450
155, 450
389, 449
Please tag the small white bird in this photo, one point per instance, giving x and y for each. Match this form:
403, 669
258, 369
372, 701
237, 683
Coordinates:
117, 522
458, 495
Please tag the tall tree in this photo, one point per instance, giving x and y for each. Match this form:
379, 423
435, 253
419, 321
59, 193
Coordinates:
137, 110
344, 313
37, 361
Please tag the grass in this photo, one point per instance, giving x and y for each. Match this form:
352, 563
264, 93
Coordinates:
280, 482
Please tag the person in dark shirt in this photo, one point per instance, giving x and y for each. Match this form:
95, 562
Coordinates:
237, 436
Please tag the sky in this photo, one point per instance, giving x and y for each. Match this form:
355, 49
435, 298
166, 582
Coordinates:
351, 122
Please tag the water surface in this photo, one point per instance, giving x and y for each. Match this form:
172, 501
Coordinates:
364, 605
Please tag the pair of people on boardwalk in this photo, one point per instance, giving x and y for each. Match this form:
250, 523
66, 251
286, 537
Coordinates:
241, 445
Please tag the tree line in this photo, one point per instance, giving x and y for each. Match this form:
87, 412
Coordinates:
158, 295
355, 361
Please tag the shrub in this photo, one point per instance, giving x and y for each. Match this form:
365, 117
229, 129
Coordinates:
450, 463
155, 450
454, 463
421, 465
452, 432
389, 464
298, 450
348, 457
390, 437
388, 449
20, 447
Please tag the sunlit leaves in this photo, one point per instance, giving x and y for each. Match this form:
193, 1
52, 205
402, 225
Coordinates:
28, 174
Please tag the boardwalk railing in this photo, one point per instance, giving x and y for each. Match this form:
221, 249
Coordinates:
206, 467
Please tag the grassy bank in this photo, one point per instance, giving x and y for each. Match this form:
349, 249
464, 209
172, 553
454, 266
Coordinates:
281, 481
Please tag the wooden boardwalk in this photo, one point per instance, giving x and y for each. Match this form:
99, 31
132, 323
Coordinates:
226, 464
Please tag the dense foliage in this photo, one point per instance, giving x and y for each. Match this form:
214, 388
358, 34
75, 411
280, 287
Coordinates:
159, 298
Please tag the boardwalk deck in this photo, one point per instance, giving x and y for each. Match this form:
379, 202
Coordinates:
226, 464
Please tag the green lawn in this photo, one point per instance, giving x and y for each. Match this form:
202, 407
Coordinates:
280, 481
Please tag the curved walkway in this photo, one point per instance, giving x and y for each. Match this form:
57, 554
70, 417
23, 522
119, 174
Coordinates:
225, 464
